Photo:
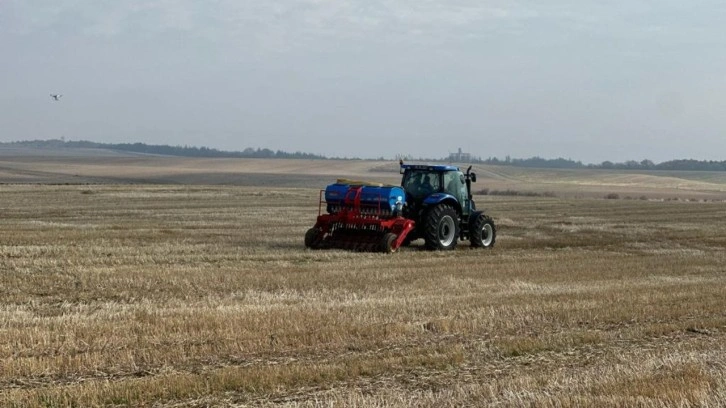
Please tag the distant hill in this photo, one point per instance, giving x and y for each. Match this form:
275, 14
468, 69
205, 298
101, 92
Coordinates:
532, 162
165, 150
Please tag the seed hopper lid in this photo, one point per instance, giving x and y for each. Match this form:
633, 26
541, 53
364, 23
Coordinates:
359, 182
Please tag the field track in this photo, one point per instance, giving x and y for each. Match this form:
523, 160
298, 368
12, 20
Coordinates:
143, 281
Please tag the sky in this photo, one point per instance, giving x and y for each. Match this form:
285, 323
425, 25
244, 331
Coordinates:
579, 79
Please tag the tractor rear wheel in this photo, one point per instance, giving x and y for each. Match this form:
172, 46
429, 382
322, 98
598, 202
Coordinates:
441, 228
483, 232
387, 241
313, 238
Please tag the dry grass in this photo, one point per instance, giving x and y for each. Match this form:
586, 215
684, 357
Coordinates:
198, 296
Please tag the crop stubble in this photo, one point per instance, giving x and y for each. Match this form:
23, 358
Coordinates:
189, 296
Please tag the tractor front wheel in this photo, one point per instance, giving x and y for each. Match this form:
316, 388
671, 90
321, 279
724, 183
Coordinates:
441, 228
483, 232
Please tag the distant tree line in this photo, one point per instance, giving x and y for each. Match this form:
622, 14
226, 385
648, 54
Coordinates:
538, 162
166, 150
561, 163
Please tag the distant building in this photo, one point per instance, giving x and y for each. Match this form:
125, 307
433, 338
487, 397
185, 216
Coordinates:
460, 157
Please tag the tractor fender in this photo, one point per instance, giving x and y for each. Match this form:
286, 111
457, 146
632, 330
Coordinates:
438, 198
473, 216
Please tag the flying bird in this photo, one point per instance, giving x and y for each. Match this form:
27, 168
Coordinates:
56, 97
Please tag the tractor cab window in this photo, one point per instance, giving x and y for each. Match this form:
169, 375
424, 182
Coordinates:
421, 183
455, 185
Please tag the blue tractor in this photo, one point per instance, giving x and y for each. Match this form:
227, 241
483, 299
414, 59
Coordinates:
433, 202
439, 201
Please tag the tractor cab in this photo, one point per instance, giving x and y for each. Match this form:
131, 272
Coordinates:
427, 185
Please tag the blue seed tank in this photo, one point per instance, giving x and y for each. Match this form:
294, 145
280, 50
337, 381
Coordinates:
385, 200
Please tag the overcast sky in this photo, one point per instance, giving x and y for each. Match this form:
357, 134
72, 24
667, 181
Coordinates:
587, 80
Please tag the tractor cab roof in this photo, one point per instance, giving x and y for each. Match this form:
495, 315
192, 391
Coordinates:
426, 167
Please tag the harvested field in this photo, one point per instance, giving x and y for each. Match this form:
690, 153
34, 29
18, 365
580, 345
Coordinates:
203, 295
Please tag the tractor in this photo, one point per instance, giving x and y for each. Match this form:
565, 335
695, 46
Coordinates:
434, 202
439, 200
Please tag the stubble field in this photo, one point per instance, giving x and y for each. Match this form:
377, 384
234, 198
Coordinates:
204, 295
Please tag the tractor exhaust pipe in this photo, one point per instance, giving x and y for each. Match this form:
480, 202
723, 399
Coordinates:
470, 178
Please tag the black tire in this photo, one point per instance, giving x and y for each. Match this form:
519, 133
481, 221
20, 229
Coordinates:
386, 244
483, 232
313, 238
441, 230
